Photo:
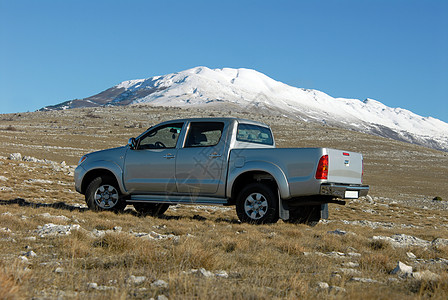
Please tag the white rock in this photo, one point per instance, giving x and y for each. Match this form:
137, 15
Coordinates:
136, 279
222, 274
337, 289
30, 254
402, 269
59, 270
3, 178
92, 285
159, 284
440, 242
350, 264
349, 271
425, 275
411, 255
338, 232
323, 285
15, 156
23, 259
364, 280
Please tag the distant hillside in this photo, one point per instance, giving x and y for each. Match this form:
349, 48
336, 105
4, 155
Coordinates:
248, 89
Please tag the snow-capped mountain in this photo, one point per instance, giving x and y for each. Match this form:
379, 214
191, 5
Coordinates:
249, 89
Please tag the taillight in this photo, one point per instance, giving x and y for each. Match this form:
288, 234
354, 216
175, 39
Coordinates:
322, 168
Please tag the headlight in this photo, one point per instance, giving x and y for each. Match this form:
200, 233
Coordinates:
82, 159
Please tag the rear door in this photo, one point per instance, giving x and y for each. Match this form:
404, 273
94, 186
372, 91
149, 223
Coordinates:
344, 167
200, 162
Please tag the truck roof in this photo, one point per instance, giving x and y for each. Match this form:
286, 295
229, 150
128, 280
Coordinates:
220, 119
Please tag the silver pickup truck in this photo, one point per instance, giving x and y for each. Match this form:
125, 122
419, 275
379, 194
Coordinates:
220, 161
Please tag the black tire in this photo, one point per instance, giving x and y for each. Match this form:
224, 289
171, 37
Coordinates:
103, 194
257, 203
151, 209
309, 215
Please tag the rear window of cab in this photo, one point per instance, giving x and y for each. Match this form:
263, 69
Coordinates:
250, 133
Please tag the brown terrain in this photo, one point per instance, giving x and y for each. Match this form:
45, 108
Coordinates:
391, 244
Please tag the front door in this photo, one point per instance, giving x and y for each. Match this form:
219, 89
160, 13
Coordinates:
150, 167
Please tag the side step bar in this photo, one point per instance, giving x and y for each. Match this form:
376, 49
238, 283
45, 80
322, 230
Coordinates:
177, 199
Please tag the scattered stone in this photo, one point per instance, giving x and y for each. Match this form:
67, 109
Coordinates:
222, 274
3, 178
364, 280
426, 275
15, 156
403, 240
349, 271
338, 232
411, 255
350, 264
59, 270
95, 286
136, 279
208, 274
30, 254
323, 285
5, 230
440, 242
159, 284
62, 218
156, 236
23, 259
402, 270
53, 229
337, 289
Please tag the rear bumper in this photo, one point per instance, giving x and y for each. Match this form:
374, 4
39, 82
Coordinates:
344, 191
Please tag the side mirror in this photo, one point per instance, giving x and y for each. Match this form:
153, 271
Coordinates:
132, 143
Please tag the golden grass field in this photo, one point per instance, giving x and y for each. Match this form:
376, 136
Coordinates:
204, 252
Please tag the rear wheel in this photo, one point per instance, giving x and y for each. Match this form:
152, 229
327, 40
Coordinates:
151, 209
258, 204
103, 194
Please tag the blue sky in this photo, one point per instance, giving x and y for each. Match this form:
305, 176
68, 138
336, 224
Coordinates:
394, 51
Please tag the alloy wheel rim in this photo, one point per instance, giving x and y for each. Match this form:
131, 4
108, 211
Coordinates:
106, 196
256, 206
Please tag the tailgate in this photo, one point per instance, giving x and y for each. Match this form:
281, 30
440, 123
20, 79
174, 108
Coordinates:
344, 167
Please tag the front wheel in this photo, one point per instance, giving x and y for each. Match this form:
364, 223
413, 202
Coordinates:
103, 194
257, 204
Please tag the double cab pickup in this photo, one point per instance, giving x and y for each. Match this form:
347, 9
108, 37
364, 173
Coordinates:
220, 161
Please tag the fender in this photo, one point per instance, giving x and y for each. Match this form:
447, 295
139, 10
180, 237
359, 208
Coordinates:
262, 166
110, 166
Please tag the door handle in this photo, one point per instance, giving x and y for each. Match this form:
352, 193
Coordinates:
169, 156
214, 155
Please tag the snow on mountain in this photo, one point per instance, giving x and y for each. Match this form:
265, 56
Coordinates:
247, 88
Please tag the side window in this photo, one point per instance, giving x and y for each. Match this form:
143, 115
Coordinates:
161, 137
204, 134
254, 134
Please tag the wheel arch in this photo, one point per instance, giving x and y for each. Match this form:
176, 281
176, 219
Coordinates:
94, 173
272, 175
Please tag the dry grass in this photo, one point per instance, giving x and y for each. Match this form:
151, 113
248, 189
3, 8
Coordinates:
279, 261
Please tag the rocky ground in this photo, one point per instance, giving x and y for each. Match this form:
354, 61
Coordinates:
393, 243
